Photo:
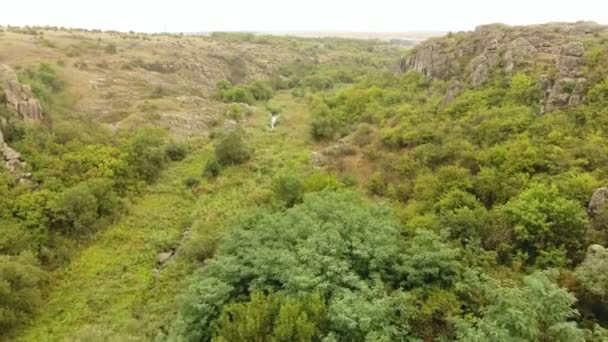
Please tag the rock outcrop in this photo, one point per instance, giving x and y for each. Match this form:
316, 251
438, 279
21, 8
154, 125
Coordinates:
17, 96
592, 273
598, 200
20, 99
12, 161
163, 257
472, 57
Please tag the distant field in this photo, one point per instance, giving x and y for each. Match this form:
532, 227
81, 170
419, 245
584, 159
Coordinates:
414, 36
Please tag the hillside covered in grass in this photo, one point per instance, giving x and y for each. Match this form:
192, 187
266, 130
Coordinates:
453, 191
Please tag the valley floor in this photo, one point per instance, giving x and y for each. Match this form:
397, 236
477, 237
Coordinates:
112, 286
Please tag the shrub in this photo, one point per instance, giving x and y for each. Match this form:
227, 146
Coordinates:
176, 151
212, 168
75, 210
44, 82
539, 309
261, 91
317, 82
235, 111
273, 317
237, 94
231, 149
191, 182
319, 181
289, 189
363, 134
543, 220
323, 128
273, 107
146, 153
21, 280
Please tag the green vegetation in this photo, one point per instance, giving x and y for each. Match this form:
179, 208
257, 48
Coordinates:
421, 219
80, 173
231, 149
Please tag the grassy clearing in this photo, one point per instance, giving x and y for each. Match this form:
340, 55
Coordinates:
111, 291
111, 278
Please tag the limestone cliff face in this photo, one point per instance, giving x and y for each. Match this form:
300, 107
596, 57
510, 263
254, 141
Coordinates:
556, 50
20, 99
18, 96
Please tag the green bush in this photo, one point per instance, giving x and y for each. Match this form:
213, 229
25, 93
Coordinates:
232, 149
543, 221
261, 91
273, 107
212, 168
289, 189
544, 310
176, 151
292, 251
21, 281
191, 182
273, 318
236, 111
44, 81
146, 153
317, 82
237, 94
75, 210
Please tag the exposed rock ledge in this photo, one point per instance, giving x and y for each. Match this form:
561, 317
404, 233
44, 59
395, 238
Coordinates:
18, 96
471, 57
12, 160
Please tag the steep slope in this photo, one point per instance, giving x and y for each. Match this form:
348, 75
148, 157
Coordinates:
130, 79
552, 53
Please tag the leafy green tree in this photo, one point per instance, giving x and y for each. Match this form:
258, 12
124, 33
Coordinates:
543, 220
289, 189
75, 210
146, 153
95, 161
317, 82
428, 261
34, 211
261, 91
331, 243
496, 187
324, 122
274, 107
539, 310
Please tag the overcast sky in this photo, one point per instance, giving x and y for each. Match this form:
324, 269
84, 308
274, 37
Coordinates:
301, 15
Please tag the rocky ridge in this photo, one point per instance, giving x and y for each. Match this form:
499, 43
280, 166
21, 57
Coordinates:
19, 98
554, 53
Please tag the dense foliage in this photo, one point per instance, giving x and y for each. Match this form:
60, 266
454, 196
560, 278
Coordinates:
338, 268
490, 219
82, 175
425, 217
